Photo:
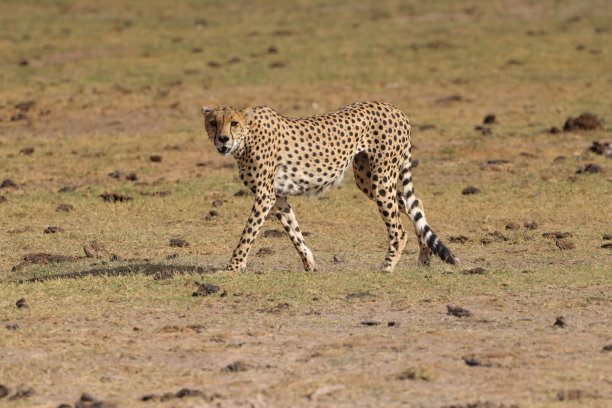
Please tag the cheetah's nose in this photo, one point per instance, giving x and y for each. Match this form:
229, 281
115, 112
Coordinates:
223, 139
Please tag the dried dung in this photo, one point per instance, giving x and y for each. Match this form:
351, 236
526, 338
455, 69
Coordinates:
177, 242
470, 190
65, 207
586, 121
457, 311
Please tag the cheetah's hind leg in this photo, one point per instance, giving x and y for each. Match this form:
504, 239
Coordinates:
388, 208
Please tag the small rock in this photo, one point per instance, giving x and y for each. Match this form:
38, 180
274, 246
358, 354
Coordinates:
200, 23
156, 158
115, 174
359, 295
599, 148
27, 151
87, 401
607, 237
21, 303
474, 362
531, 225
186, 392
131, 177
156, 193
217, 203
498, 235
486, 241
43, 259
23, 63
589, 168
485, 130
278, 64
205, 289
426, 126
8, 183
574, 395
265, 252
212, 214
273, 234
20, 116
65, 207
114, 197
489, 119
557, 235
414, 373
278, 308
172, 256
3, 199
457, 311
370, 323
95, 250
336, 259
177, 242
493, 162
237, 366
554, 130
564, 244
242, 193
449, 99
67, 189
459, 239
4, 391
22, 393
25, 106
470, 190
326, 390
53, 230
607, 347
607, 245
162, 276
475, 271
512, 226
9, 327
560, 322
393, 324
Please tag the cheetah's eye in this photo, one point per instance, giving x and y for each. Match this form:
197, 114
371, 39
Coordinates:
213, 123
234, 123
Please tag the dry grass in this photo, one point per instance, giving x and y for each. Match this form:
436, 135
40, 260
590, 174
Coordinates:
118, 82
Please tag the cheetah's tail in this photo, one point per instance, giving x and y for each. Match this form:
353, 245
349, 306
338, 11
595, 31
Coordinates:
414, 208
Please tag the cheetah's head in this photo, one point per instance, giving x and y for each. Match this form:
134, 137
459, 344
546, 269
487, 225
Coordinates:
226, 127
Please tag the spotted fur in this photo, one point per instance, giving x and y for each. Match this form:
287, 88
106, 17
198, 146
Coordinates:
280, 157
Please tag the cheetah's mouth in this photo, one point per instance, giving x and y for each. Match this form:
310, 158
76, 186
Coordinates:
225, 150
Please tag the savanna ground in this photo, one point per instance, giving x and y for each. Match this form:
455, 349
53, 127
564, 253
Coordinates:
114, 83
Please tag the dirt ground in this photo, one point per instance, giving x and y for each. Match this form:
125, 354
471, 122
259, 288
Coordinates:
116, 213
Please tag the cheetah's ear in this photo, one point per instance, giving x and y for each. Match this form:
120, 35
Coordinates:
206, 110
246, 114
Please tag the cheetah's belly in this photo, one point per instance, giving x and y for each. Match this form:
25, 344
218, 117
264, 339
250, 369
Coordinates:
292, 180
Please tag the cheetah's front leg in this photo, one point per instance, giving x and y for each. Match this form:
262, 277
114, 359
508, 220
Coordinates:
285, 215
262, 206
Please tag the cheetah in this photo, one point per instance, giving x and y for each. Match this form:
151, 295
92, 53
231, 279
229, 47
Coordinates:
279, 157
